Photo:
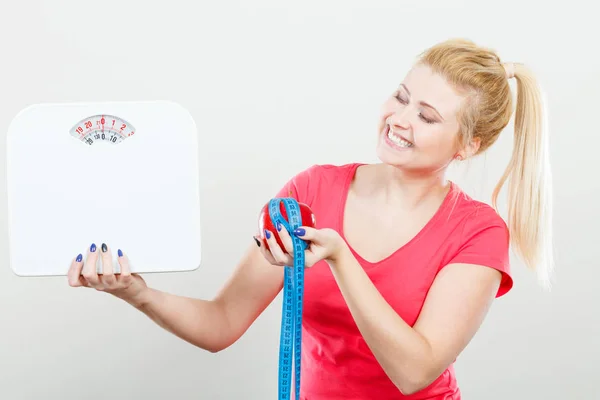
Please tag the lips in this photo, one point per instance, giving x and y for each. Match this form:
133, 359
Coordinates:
397, 135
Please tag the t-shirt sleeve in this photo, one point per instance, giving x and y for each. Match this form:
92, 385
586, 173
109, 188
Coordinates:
301, 186
485, 241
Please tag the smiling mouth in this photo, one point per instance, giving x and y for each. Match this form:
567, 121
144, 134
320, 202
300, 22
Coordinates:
397, 139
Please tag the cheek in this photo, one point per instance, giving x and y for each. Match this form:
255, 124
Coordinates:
386, 111
434, 141
388, 108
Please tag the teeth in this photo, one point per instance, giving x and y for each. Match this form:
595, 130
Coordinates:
398, 141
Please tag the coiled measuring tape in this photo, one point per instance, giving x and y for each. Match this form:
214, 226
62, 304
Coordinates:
290, 340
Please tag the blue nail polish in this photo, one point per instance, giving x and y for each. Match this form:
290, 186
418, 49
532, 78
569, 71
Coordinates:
299, 232
278, 226
79, 258
267, 234
120, 253
93, 248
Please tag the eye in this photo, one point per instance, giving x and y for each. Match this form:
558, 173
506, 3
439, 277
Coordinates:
425, 119
402, 100
398, 97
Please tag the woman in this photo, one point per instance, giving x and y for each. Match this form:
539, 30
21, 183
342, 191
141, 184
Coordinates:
404, 265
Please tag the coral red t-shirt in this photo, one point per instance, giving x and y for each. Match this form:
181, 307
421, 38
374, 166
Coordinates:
336, 361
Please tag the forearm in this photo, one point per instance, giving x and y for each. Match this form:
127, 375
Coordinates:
404, 354
199, 322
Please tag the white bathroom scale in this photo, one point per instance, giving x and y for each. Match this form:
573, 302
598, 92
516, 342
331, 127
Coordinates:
123, 173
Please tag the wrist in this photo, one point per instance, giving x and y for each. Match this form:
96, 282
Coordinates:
140, 299
340, 257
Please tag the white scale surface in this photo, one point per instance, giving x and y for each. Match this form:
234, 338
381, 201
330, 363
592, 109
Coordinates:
124, 174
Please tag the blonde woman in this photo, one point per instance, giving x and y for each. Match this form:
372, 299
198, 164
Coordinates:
403, 265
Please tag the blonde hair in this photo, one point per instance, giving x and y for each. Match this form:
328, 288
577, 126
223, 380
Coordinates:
479, 73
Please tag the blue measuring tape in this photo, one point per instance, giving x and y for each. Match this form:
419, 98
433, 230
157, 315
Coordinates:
290, 340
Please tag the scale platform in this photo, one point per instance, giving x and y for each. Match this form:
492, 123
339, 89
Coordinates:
121, 173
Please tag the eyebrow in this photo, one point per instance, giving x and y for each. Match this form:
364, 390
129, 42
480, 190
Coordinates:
422, 102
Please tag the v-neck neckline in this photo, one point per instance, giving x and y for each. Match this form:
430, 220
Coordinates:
345, 191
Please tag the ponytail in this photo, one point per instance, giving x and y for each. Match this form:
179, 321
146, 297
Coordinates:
530, 180
479, 72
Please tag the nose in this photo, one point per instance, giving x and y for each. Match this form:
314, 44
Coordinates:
399, 119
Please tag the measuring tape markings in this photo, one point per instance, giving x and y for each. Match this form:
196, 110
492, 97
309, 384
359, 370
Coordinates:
293, 295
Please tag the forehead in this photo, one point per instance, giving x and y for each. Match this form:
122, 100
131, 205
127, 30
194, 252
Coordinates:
429, 87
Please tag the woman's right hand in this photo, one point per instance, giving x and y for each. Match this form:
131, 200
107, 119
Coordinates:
124, 285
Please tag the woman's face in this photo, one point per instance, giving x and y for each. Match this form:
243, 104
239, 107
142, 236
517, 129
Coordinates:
419, 126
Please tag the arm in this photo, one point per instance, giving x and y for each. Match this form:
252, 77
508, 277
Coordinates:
413, 357
216, 324
212, 325
199, 322
456, 303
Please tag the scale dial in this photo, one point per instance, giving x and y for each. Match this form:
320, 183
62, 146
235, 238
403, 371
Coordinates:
102, 128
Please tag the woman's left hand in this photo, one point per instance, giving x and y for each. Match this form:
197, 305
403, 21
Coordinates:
323, 244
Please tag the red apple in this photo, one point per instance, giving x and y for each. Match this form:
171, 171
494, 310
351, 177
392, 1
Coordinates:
264, 221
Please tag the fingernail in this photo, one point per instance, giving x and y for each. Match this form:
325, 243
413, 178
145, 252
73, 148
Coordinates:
79, 258
267, 234
256, 240
279, 226
104, 248
120, 253
299, 232
93, 247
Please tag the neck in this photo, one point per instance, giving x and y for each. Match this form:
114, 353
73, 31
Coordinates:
393, 187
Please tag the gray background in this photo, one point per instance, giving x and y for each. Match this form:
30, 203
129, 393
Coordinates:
260, 77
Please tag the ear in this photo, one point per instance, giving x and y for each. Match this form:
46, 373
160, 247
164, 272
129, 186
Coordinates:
469, 150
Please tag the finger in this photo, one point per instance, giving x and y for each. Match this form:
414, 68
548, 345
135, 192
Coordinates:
264, 251
89, 268
74, 275
108, 275
307, 233
278, 254
286, 239
125, 276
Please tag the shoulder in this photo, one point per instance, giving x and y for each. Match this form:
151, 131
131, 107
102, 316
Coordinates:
327, 171
481, 237
475, 215
324, 175
312, 181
